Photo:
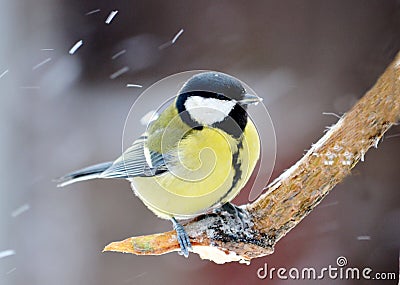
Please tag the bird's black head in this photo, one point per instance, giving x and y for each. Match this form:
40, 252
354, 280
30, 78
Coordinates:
216, 100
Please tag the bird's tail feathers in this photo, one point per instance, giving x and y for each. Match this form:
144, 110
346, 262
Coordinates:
87, 173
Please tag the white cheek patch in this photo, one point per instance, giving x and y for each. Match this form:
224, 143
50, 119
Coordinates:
208, 111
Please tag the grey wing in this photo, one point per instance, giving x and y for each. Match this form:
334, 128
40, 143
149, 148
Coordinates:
137, 160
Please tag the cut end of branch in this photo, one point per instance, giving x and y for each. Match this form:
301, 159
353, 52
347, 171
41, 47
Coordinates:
155, 244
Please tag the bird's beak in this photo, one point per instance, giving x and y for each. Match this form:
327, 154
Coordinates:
249, 99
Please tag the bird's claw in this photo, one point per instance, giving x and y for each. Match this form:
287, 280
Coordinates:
182, 238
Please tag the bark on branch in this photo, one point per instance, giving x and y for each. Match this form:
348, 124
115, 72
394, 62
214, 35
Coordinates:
293, 195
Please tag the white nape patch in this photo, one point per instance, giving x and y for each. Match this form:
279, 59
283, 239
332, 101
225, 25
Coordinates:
208, 111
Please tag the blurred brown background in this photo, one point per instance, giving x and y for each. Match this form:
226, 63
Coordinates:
303, 57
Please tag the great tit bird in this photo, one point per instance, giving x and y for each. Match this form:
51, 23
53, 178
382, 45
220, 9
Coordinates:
195, 157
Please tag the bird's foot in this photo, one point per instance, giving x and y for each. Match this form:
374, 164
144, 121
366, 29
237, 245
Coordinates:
182, 237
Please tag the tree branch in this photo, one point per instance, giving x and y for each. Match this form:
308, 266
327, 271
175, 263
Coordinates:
293, 195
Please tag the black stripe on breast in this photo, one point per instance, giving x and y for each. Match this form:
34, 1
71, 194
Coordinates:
236, 168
